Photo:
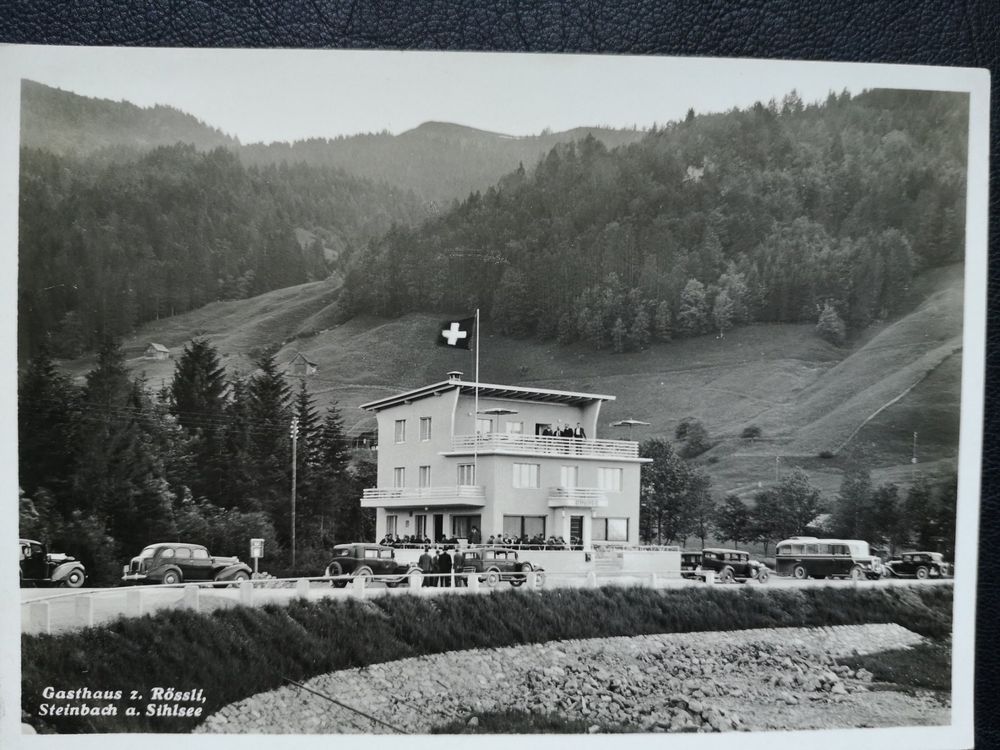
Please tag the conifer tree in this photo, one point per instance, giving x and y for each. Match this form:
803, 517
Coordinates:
269, 418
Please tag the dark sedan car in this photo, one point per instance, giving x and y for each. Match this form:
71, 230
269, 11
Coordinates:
918, 565
39, 567
495, 564
176, 562
366, 560
733, 565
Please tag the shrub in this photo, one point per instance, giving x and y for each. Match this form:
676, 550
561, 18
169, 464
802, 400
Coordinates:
751, 432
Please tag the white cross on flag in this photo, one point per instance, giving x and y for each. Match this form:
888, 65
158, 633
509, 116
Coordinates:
456, 334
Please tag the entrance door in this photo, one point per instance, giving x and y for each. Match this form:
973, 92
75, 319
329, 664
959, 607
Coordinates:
438, 527
575, 530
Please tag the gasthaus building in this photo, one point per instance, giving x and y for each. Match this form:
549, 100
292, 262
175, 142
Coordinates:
446, 466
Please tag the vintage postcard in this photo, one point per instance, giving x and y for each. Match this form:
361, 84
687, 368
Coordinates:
441, 396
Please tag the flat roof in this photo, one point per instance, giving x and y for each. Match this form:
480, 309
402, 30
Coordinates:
488, 390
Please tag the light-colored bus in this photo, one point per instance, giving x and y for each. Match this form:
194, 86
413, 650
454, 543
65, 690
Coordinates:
809, 557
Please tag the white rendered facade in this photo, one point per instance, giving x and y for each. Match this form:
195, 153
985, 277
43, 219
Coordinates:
445, 466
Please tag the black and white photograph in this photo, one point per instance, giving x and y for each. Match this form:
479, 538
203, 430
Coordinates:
422, 394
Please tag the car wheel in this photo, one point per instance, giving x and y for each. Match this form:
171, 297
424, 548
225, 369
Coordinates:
171, 576
799, 571
726, 576
922, 572
856, 573
365, 574
334, 569
239, 578
762, 575
74, 580
492, 578
539, 578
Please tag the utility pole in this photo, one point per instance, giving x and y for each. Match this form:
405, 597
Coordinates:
913, 460
777, 469
295, 439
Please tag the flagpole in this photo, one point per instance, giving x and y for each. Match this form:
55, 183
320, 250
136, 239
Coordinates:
475, 418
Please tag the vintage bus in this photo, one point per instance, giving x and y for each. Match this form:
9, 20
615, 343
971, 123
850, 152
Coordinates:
809, 557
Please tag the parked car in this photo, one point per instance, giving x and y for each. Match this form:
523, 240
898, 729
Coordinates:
733, 565
176, 562
366, 560
39, 567
918, 565
495, 564
690, 564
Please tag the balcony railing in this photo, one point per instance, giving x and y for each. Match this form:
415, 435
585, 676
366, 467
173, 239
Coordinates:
542, 444
577, 497
396, 497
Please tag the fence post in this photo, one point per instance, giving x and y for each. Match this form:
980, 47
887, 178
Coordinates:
85, 610
191, 597
416, 579
652, 580
246, 593
302, 587
39, 615
532, 582
133, 602
473, 581
591, 582
358, 586
709, 576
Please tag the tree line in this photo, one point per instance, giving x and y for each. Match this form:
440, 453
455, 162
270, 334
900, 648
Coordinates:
677, 503
117, 238
777, 213
108, 467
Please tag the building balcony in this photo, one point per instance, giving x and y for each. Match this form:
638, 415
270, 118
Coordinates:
430, 497
577, 497
535, 445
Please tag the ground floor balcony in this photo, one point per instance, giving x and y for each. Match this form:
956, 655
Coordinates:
534, 445
577, 497
429, 497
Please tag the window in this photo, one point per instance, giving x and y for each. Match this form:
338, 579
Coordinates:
399, 477
526, 476
483, 426
201, 554
617, 529
425, 476
461, 526
371, 554
421, 525
167, 553
466, 475
400, 430
183, 553
390, 525
515, 428
567, 476
425, 428
609, 480
521, 526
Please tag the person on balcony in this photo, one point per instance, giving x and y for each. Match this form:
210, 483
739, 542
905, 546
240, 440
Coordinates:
578, 432
474, 536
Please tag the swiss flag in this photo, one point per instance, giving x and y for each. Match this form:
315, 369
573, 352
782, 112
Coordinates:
456, 334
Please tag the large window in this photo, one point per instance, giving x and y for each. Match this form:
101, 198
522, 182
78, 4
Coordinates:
609, 480
400, 430
610, 530
466, 475
425, 428
515, 428
484, 425
420, 522
390, 525
567, 476
425, 476
524, 526
461, 526
399, 477
526, 476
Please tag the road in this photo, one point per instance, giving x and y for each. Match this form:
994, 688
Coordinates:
65, 612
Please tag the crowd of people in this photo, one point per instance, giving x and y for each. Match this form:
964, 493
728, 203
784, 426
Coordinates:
538, 541
564, 430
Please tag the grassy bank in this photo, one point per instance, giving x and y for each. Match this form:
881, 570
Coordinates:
233, 654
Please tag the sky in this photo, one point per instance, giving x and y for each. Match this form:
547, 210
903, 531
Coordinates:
287, 95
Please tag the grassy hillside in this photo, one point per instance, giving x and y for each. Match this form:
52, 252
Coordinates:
807, 396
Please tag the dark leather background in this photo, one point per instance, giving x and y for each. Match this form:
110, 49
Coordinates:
935, 32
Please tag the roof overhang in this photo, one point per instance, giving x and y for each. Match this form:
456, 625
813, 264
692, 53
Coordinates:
489, 390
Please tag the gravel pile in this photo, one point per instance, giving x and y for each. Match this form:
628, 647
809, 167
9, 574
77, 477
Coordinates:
692, 682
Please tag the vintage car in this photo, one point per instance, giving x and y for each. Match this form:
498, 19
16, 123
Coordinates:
918, 565
690, 564
495, 564
808, 557
733, 565
176, 562
39, 567
366, 560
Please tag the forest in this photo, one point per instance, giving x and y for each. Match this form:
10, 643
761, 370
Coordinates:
784, 212
115, 239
